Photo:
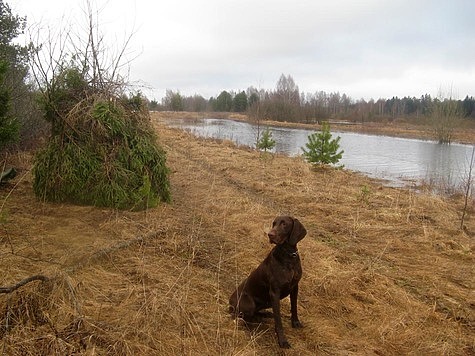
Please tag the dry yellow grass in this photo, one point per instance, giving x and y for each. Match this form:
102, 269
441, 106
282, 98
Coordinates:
386, 271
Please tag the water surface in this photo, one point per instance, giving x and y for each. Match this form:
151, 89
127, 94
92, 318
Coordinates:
398, 160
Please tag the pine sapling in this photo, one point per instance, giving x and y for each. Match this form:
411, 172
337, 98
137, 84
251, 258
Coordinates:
321, 148
266, 142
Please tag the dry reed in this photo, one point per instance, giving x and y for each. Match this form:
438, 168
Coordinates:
386, 270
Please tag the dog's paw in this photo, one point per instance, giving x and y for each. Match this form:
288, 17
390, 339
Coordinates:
297, 324
284, 344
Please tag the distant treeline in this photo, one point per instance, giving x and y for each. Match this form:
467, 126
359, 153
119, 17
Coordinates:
287, 103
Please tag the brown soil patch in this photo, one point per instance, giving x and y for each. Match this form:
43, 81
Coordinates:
386, 271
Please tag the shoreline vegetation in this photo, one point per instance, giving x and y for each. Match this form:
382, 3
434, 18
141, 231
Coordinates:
386, 270
465, 134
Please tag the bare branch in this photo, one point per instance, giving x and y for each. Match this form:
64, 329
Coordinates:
14, 287
468, 187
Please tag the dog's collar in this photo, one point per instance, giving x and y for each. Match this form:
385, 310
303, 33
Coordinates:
286, 251
294, 254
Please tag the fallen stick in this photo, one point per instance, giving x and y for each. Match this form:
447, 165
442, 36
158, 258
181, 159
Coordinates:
14, 287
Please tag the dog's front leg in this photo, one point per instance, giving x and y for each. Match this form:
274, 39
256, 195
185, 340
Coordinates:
293, 307
275, 298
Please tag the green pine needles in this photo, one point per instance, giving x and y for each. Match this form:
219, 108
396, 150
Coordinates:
101, 153
321, 148
266, 142
9, 126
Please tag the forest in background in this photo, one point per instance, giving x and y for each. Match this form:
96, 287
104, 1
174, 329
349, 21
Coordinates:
287, 103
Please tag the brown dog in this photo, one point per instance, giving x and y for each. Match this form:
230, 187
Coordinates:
274, 279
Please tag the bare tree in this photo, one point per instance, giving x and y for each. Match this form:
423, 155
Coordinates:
255, 110
286, 100
88, 52
445, 113
468, 187
287, 90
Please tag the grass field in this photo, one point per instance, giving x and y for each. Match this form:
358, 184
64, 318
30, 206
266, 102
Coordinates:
387, 271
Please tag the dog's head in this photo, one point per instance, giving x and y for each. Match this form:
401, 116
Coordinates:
286, 229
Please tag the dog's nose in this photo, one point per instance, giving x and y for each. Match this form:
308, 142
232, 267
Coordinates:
271, 234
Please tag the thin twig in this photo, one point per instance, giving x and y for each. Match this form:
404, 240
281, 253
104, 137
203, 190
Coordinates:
467, 188
14, 287
11, 190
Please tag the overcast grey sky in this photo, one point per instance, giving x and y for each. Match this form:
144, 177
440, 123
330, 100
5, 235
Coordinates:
366, 49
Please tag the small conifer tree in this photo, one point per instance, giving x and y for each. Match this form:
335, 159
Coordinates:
266, 142
321, 148
8, 126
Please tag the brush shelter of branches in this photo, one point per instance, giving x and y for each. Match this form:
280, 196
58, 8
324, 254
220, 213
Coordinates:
102, 150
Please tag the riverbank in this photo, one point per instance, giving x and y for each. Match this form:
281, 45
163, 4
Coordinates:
399, 161
386, 271
399, 128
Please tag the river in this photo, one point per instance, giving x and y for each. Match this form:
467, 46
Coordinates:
399, 161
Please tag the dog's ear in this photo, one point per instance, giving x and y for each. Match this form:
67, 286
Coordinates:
298, 232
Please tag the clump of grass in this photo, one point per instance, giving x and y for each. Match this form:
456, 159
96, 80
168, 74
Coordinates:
364, 194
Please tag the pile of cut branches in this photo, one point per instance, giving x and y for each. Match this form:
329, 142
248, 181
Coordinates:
102, 150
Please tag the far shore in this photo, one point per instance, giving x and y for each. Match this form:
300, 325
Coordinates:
397, 128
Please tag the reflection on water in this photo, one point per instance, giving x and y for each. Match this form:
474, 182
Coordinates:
398, 160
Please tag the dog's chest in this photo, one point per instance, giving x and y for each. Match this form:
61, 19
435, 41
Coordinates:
289, 273
295, 273
287, 278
